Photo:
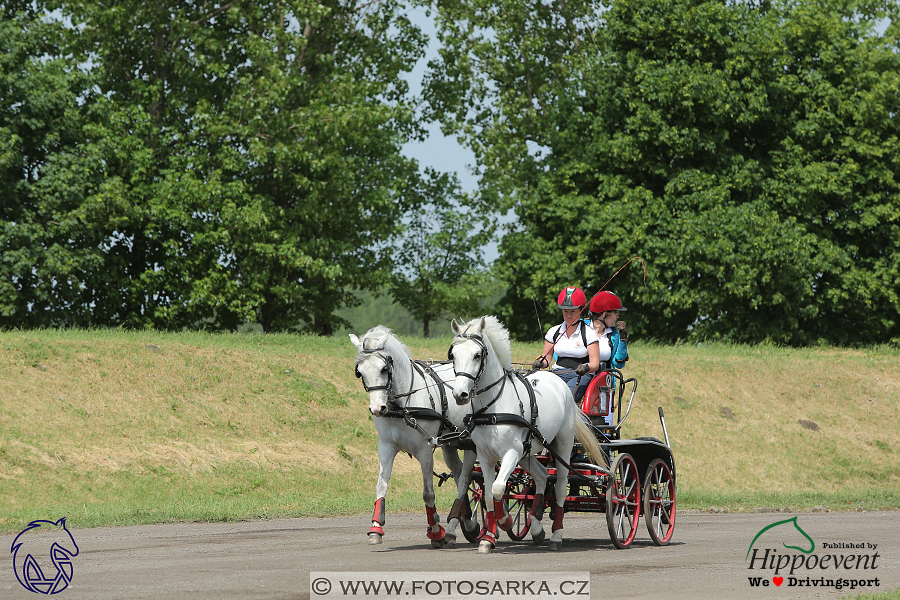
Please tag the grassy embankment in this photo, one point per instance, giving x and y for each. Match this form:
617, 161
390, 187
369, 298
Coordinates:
114, 428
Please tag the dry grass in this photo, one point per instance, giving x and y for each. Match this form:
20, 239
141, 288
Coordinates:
141, 427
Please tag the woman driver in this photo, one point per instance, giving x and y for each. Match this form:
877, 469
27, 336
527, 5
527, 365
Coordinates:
576, 345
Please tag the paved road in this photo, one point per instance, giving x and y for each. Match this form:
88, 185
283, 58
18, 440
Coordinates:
273, 559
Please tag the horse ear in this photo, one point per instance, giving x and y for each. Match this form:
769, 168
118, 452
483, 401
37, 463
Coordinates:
355, 341
482, 323
454, 327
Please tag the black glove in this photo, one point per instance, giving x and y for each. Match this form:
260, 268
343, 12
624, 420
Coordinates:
582, 369
623, 331
539, 363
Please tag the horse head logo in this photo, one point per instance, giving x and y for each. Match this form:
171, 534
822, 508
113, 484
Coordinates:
43, 561
787, 531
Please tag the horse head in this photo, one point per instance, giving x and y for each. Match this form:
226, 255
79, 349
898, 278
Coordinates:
380, 361
468, 353
791, 532
479, 346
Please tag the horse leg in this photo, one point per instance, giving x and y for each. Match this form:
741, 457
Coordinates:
498, 516
434, 531
560, 490
538, 473
489, 540
460, 509
386, 454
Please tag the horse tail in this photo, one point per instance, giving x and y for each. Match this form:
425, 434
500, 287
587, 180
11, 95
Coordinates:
587, 438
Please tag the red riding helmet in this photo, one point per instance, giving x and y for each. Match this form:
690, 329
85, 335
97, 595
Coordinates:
571, 297
604, 301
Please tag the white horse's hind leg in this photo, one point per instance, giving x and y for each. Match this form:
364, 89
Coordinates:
563, 447
386, 454
539, 474
462, 476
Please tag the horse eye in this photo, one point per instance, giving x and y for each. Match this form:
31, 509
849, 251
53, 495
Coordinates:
384, 369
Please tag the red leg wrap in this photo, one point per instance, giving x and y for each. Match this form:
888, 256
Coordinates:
557, 518
506, 525
431, 513
490, 531
378, 517
537, 507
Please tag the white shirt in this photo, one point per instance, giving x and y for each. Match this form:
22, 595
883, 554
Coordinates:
573, 347
606, 345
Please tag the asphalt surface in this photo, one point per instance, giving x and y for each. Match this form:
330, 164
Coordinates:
273, 559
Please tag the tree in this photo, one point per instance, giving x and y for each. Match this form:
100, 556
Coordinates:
245, 161
439, 263
748, 153
50, 252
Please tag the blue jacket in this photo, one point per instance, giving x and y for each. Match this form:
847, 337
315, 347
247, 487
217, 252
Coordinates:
619, 350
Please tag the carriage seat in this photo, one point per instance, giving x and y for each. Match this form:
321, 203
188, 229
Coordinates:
597, 398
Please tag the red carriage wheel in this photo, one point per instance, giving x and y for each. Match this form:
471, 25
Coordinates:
659, 502
519, 508
475, 498
623, 501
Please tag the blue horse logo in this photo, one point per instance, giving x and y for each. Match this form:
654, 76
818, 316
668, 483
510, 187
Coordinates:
793, 520
43, 561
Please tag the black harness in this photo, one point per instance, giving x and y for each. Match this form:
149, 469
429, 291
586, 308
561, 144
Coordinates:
411, 414
481, 417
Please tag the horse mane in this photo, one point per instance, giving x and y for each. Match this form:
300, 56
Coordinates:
499, 336
381, 337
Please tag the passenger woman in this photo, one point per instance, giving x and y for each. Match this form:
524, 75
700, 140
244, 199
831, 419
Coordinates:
613, 334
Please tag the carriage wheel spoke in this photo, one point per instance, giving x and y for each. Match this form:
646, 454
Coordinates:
659, 503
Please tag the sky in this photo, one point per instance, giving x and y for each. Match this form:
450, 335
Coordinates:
438, 151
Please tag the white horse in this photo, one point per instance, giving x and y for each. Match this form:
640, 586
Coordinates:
409, 401
481, 353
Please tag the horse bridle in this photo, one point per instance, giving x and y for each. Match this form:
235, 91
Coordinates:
388, 362
478, 340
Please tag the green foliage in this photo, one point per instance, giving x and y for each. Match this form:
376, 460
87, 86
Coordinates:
202, 165
439, 265
48, 244
748, 153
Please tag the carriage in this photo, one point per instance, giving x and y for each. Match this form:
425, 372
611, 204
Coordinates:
640, 480
505, 415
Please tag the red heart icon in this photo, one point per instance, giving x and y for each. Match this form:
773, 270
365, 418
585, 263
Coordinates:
778, 580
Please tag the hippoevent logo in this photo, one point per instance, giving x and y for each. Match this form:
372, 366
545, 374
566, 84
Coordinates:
42, 556
784, 554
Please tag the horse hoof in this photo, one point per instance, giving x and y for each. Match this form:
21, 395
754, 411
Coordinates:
449, 540
554, 546
485, 547
437, 544
538, 538
374, 539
